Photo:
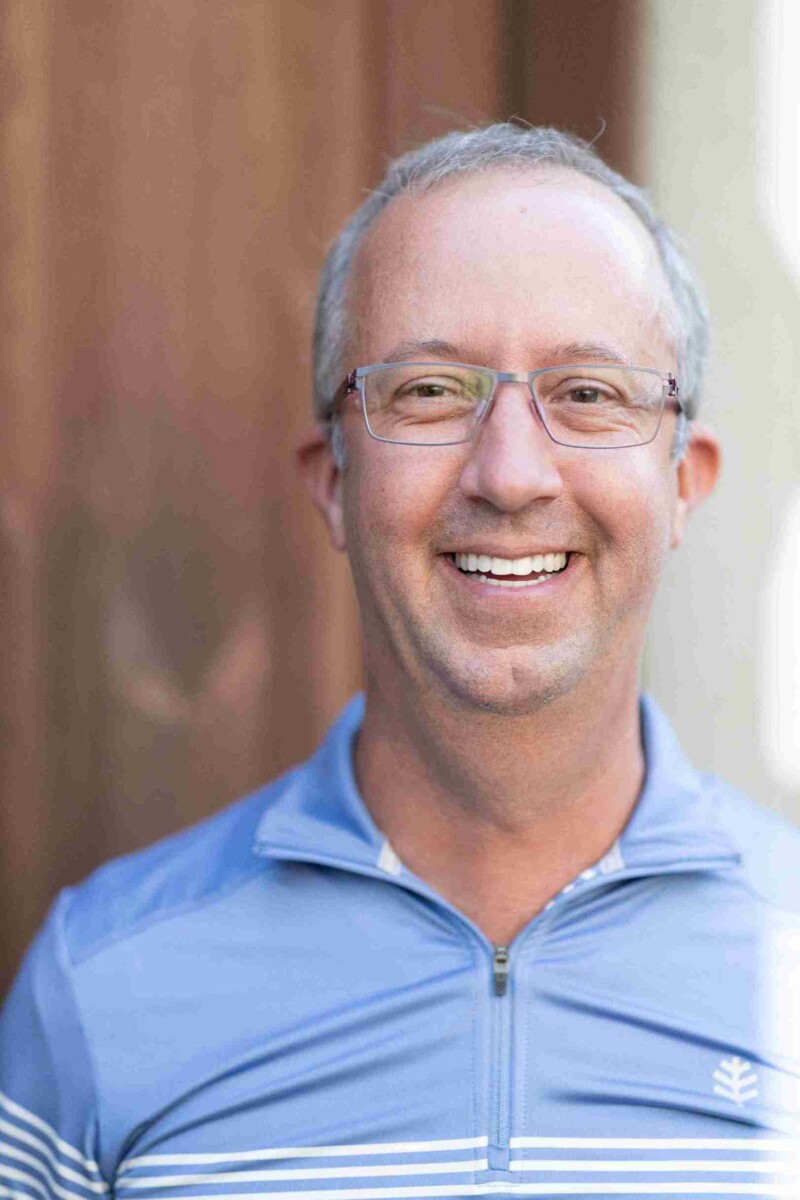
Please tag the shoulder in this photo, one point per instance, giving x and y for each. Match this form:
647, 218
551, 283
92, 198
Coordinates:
768, 843
180, 873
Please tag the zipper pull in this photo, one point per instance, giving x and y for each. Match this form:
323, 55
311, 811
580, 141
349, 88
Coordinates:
501, 969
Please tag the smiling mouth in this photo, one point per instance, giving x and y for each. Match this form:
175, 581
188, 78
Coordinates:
508, 580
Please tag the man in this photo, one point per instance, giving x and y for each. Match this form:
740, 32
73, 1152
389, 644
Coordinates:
496, 936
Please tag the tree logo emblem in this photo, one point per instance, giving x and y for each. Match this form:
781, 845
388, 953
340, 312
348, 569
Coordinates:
735, 1080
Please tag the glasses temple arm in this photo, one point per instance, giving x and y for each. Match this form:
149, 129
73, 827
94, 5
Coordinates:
347, 385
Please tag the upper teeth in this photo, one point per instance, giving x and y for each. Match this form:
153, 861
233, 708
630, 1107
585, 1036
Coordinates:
511, 566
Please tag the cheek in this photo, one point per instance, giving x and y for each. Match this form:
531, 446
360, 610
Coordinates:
630, 509
389, 506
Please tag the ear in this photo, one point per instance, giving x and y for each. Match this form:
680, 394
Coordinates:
323, 479
697, 474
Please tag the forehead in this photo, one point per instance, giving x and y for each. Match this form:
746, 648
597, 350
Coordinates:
512, 262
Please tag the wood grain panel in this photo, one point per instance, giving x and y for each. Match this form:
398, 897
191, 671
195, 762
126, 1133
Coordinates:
27, 403
577, 64
176, 626
443, 66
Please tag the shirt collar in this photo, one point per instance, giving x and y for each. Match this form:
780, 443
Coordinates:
315, 812
677, 818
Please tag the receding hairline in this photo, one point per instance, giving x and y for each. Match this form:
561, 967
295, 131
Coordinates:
546, 172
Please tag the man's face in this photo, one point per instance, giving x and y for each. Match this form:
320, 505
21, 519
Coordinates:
512, 271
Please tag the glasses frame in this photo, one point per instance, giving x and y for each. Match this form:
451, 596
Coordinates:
354, 381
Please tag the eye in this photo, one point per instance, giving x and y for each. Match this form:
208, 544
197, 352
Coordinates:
585, 394
424, 389
431, 389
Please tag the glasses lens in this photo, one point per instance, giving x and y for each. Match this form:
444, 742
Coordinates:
425, 403
600, 406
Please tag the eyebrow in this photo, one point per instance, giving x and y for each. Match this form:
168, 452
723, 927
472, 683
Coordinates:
589, 352
406, 351
575, 352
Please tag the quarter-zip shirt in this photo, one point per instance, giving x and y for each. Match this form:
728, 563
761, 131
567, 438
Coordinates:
272, 1004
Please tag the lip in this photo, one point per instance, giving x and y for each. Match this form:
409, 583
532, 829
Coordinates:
490, 592
512, 554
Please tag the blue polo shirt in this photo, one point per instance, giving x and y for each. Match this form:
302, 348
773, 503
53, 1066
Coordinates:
271, 1004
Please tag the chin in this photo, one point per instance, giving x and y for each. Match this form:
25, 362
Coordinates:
511, 688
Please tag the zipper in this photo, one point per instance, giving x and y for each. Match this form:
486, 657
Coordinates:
500, 970
500, 1023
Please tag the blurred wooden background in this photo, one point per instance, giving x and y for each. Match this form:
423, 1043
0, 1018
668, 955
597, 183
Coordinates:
176, 629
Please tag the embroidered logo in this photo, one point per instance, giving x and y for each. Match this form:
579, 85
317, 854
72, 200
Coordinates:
733, 1081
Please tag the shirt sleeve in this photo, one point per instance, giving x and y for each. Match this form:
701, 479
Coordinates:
48, 1103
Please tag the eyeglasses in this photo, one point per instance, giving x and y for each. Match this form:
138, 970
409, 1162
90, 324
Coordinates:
586, 405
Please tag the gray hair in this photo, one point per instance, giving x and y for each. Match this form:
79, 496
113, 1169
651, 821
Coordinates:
513, 147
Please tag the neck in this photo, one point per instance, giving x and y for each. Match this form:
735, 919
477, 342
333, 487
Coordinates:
498, 813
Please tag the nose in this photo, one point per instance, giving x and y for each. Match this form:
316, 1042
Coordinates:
512, 458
